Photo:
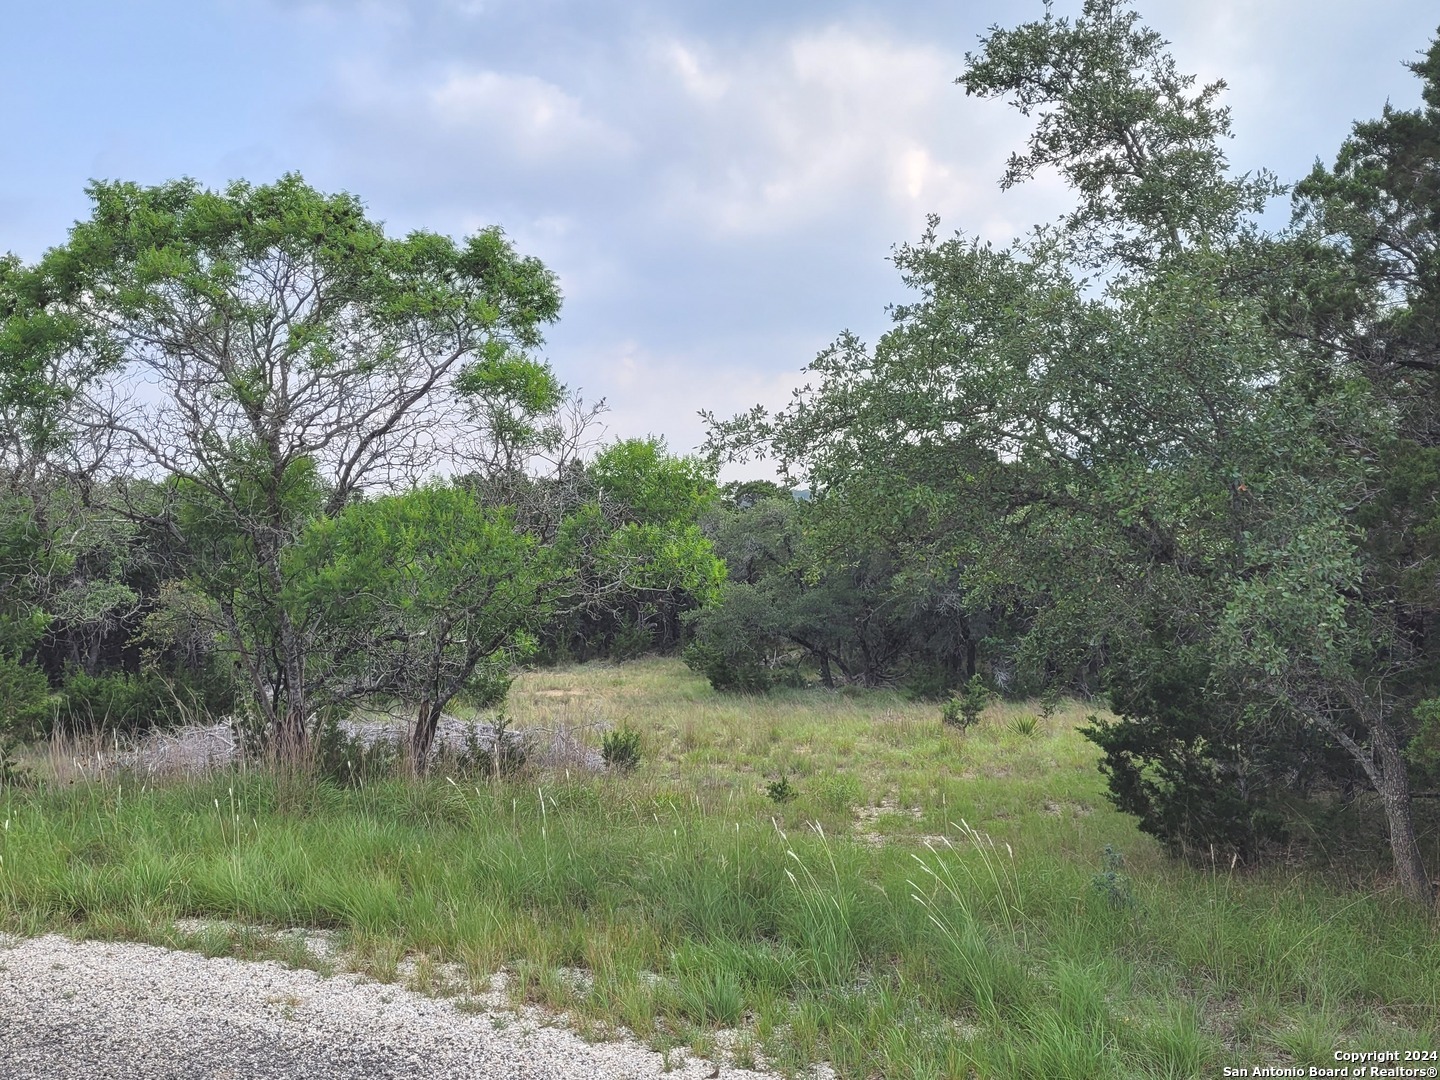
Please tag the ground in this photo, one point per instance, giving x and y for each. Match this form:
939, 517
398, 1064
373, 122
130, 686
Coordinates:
929, 902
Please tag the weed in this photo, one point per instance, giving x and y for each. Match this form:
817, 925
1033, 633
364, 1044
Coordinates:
1111, 883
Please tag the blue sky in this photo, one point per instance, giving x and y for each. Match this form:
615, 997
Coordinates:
718, 185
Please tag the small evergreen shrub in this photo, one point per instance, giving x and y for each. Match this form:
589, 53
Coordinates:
347, 760
963, 710
728, 672
24, 700
621, 749
504, 756
781, 791
141, 702
631, 641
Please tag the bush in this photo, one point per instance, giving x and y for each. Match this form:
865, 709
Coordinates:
347, 760
729, 672
475, 758
631, 641
963, 710
1111, 882
1199, 773
24, 700
137, 703
621, 749
781, 791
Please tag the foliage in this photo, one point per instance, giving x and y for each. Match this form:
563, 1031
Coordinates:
638, 558
346, 758
621, 748
300, 358
134, 704
25, 705
424, 596
1025, 726
1198, 777
804, 590
781, 791
1111, 882
1153, 423
963, 710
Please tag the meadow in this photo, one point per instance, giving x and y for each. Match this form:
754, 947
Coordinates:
811, 876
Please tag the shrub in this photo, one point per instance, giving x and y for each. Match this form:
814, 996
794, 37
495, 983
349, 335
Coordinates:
1110, 883
137, 703
631, 641
781, 791
347, 760
12, 773
1198, 771
963, 710
621, 748
1025, 726
504, 756
24, 699
729, 672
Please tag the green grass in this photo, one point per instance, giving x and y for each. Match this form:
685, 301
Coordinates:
925, 906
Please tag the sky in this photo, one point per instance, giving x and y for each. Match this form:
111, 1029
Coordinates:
717, 185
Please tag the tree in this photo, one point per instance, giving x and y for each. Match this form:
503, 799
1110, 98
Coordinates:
1108, 429
803, 589
422, 596
638, 557
276, 355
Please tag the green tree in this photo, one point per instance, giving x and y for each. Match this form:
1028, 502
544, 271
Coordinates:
1106, 427
298, 358
422, 596
638, 557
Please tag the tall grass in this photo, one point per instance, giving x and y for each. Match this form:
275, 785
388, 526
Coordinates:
903, 941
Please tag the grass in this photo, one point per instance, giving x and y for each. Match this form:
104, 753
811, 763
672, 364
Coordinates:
928, 904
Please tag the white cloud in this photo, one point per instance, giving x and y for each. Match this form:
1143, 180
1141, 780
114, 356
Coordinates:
698, 81
825, 124
535, 119
663, 393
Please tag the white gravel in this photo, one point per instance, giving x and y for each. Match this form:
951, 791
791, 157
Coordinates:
122, 1011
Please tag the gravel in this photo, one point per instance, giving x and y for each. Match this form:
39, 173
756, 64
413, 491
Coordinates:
113, 1010
214, 746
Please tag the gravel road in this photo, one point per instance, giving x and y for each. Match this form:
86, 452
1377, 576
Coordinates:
119, 1011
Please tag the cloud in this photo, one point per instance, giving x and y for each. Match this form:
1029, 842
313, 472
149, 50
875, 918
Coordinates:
531, 119
651, 392
791, 132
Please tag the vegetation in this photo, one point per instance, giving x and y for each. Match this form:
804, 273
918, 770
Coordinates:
1185, 459
924, 905
1151, 489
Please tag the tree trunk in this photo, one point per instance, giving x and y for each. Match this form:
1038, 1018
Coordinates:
1394, 789
1391, 782
427, 718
